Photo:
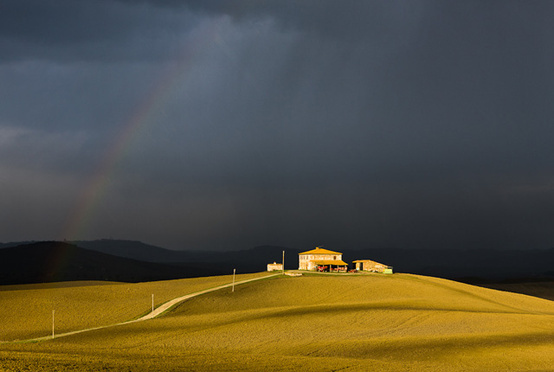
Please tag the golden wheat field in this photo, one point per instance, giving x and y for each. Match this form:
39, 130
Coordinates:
26, 310
398, 322
537, 289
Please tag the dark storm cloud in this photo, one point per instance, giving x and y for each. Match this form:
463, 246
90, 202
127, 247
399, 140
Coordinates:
362, 123
88, 31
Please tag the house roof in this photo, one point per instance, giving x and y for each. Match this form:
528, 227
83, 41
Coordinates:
330, 262
374, 262
318, 250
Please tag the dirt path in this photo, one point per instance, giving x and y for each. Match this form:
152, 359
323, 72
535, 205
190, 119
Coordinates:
157, 312
169, 304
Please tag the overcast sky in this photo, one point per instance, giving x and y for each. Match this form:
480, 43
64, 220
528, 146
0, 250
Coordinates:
230, 124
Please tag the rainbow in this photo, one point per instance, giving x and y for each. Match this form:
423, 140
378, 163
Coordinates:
80, 218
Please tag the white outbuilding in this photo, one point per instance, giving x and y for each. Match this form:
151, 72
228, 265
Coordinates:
275, 267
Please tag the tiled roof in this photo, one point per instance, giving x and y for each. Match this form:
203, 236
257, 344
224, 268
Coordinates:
318, 250
374, 262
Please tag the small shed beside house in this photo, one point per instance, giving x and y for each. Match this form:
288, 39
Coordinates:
321, 259
373, 266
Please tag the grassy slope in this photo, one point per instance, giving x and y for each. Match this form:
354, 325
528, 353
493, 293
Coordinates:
538, 289
26, 310
399, 322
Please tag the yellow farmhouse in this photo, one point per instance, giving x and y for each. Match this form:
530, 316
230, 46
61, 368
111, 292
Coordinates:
321, 260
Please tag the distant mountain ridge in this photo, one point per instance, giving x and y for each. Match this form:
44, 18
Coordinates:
131, 249
246, 260
465, 265
469, 265
43, 262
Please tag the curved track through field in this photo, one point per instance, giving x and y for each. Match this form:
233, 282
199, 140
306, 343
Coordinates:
151, 315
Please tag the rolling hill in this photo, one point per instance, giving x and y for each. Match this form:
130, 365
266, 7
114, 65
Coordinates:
26, 310
315, 323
